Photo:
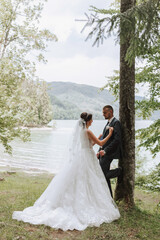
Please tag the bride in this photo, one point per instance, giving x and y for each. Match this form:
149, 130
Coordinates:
78, 196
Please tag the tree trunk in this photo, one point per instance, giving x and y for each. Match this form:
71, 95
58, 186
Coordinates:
125, 188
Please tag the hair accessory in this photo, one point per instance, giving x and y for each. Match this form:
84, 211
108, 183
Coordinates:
82, 122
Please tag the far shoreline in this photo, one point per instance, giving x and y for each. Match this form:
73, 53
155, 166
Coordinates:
32, 172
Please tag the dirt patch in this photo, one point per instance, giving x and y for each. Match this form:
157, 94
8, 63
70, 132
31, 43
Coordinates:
132, 232
61, 234
56, 234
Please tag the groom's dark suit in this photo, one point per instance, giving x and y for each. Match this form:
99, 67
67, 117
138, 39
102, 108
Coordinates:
113, 150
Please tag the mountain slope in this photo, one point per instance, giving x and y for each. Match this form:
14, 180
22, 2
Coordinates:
70, 99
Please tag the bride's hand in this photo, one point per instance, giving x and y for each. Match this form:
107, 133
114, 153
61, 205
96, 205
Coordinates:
111, 130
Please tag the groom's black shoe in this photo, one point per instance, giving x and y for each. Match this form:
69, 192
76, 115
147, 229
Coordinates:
120, 177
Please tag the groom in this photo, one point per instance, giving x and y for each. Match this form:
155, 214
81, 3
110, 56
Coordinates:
112, 149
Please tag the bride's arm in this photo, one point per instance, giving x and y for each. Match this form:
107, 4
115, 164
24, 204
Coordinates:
94, 139
93, 143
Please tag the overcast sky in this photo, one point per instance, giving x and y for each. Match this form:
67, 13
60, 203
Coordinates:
72, 59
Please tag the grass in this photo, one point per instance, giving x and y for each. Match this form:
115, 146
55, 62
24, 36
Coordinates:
19, 190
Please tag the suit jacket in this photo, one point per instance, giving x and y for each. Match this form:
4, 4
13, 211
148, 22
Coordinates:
113, 147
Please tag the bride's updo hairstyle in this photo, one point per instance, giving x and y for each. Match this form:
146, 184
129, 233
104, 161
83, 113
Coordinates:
86, 116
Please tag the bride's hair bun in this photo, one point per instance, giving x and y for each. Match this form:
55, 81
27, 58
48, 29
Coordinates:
86, 116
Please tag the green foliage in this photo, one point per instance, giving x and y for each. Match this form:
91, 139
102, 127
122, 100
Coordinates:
150, 137
19, 31
140, 24
10, 100
20, 36
36, 104
144, 19
113, 84
149, 77
150, 181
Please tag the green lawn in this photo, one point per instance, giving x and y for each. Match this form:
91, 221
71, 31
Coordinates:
19, 190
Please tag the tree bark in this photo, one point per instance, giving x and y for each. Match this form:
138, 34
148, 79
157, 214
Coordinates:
125, 188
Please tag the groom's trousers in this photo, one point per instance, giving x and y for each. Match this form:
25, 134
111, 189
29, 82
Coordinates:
105, 163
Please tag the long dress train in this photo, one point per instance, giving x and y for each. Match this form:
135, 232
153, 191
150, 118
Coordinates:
78, 196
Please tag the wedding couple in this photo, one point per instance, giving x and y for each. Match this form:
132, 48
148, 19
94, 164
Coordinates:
80, 195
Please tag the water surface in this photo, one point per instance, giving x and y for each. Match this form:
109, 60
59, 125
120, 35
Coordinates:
47, 149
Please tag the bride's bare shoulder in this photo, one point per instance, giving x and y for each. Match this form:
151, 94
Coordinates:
89, 132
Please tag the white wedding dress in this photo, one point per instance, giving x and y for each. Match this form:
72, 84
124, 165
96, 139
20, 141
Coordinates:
78, 196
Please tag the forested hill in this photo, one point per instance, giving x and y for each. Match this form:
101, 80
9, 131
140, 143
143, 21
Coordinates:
70, 99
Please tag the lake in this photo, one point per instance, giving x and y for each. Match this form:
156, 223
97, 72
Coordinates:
46, 150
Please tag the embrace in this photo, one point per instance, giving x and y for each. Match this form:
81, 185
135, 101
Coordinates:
80, 195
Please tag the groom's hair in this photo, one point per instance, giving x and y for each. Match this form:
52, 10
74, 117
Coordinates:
109, 106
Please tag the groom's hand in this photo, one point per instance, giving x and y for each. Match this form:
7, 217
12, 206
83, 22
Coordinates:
98, 155
102, 153
100, 136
